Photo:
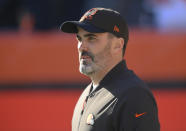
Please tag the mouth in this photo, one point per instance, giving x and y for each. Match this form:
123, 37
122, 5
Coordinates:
85, 57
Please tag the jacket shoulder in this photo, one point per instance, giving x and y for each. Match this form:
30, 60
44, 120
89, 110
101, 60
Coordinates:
129, 82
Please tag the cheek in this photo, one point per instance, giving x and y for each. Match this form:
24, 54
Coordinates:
105, 54
96, 50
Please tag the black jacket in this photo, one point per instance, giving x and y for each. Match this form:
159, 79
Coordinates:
121, 102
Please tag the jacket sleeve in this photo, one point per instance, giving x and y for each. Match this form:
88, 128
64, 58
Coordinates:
136, 110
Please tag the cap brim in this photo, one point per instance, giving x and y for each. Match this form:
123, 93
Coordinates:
71, 27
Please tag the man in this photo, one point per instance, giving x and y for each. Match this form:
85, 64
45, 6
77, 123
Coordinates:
116, 99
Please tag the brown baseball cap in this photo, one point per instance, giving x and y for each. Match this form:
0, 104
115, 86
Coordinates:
99, 20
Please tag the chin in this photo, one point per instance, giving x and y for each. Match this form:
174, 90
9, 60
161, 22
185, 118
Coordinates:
86, 69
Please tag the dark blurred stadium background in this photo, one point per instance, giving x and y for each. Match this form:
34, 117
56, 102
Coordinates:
39, 78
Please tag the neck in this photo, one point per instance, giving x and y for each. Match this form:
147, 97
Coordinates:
98, 76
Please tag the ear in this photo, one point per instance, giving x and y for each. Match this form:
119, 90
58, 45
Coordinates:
118, 45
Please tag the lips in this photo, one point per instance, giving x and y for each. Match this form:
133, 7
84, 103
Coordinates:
85, 57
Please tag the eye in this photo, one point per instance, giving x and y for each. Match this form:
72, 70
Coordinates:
91, 38
78, 38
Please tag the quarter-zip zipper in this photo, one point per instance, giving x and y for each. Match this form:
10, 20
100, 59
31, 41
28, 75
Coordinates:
84, 104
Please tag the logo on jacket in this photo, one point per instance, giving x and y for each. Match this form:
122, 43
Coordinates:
141, 114
90, 119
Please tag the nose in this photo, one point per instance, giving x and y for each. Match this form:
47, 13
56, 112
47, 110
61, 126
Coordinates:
82, 46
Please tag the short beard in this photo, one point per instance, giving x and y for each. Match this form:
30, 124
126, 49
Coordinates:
86, 68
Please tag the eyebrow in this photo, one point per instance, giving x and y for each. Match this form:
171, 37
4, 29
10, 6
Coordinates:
86, 35
89, 34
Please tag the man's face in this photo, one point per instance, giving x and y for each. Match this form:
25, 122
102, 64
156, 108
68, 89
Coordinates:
94, 51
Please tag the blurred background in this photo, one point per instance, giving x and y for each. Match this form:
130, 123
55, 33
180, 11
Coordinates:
39, 78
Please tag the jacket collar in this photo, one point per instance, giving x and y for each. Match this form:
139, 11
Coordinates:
120, 68
114, 72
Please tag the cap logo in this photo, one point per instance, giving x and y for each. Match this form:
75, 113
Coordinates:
116, 29
89, 14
